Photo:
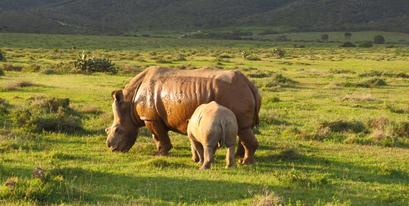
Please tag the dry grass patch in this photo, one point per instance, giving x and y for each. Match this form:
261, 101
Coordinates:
19, 84
356, 97
267, 199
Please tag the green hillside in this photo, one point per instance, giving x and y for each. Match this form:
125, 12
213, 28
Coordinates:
126, 16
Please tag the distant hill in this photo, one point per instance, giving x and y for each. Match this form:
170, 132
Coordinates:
128, 16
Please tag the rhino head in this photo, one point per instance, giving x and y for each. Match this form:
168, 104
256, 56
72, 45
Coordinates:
124, 130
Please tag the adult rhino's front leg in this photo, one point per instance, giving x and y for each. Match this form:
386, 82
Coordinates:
160, 136
250, 144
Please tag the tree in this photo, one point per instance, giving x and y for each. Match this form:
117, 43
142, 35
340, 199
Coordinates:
325, 37
348, 36
379, 39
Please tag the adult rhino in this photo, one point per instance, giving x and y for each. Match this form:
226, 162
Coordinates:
164, 99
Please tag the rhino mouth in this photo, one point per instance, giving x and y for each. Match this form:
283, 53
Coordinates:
119, 149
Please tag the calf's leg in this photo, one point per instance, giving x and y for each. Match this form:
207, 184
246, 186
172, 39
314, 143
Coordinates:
198, 149
230, 157
195, 155
208, 156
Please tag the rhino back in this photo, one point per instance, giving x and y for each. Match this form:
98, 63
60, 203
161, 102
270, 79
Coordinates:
173, 95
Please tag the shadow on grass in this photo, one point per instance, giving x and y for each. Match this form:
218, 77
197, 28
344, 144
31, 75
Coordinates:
336, 169
96, 186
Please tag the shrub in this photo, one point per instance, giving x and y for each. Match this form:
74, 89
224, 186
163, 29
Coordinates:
16, 85
252, 58
2, 56
281, 81
374, 73
365, 44
47, 114
359, 97
289, 154
260, 74
43, 186
280, 53
370, 83
389, 133
19, 140
347, 35
375, 82
4, 111
403, 129
85, 64
4, 106
379, 39
10, 67
324, 37
2, 72
180, 57
282, 38
348, 45
343, 126
267, 199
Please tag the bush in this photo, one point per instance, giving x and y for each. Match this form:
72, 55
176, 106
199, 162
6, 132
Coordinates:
385, 74
16, 85
366, 44
324, 37
2, 56
88, 65
43, 186
348, 45
379, 39
343, 126
10, 67
47, 114
280, 53
370, 83
389, 133
250, 57
260, 74
2, 72
281, 81
374, 82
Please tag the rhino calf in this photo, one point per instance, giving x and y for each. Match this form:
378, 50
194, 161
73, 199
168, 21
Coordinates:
210, 126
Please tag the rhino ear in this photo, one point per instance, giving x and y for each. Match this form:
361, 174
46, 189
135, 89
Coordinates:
117, 95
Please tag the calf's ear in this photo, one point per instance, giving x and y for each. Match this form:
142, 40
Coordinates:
117, 95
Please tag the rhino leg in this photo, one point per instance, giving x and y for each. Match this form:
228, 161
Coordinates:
208, 152
240, 150
230, 157
160, 136
199, 151
196, 148
250, 143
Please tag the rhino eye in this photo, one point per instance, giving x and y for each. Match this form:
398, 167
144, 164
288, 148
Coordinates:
117, 130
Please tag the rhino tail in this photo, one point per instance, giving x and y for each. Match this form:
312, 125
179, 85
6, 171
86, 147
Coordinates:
257, 100
222, 141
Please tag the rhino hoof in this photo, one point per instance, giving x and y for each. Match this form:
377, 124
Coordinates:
248, 161
161, 153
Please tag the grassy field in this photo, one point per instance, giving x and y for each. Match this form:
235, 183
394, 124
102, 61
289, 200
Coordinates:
334, 125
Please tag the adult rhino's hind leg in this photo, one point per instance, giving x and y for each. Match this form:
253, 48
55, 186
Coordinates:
160, 137
250, 143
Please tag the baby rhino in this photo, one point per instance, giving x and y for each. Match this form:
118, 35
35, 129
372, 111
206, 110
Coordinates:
210, 126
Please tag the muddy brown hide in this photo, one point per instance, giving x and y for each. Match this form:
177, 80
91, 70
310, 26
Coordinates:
164, 99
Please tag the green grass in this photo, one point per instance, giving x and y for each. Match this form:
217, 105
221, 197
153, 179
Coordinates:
345, 167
